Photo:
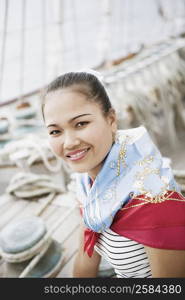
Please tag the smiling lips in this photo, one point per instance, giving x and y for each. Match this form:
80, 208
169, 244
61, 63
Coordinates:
77, 155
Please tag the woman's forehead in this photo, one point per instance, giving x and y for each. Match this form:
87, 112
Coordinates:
66, 109
69, 102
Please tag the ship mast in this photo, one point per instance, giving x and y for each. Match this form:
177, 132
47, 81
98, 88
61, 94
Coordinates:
22, 51
3, 48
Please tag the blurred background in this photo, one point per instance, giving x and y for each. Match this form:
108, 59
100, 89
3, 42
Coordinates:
41, 39
139, 49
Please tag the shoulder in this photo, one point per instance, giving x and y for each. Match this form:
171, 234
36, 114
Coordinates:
151, 172
133, 134
138, 142
158, 223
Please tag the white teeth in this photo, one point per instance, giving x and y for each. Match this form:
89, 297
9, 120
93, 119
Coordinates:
78, 154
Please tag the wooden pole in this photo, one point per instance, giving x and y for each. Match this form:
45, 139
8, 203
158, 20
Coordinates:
3, 48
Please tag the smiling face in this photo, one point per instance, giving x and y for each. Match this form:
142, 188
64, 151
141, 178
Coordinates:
78, 131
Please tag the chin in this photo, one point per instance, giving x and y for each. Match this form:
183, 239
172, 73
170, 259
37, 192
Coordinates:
81, 169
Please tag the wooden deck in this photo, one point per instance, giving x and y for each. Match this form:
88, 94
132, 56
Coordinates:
63, 208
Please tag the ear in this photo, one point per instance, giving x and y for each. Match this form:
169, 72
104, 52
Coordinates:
112, 119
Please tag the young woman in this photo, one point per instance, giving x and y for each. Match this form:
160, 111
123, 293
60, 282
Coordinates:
133, 212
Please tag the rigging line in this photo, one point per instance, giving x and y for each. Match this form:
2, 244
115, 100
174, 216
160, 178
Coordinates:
61, 24
44, 43
127, 27
163, 18
4, 38
160, 10
76, 33
22, 54
106, 32
109, 29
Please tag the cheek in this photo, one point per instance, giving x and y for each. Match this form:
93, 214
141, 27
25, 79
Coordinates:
98, 133
103, 141
55, 146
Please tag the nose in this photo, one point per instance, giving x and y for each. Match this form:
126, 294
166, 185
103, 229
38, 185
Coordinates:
70, 140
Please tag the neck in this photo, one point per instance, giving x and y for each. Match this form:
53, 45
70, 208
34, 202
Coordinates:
93, 173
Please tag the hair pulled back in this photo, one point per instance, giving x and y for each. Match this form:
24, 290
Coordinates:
83, 82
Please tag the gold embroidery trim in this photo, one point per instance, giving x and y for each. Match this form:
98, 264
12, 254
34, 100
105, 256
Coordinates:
154, 200
122, 156
140, 180
146, 160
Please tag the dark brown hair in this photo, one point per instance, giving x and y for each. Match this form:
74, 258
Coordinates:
83, 82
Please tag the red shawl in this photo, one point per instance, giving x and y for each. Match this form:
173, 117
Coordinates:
158, 223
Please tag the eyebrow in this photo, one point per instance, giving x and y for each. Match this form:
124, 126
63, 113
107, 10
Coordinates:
70, 119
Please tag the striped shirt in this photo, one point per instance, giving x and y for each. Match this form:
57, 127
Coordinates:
127, 257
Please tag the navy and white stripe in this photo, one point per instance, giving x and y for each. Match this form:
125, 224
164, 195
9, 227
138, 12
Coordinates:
127, 257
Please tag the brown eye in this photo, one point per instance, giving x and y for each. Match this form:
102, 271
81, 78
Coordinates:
54, 132
81, 124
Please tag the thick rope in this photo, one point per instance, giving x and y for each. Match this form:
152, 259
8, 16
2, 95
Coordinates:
31, 149
29, 185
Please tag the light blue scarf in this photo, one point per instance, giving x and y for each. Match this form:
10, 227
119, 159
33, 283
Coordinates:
142, 171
